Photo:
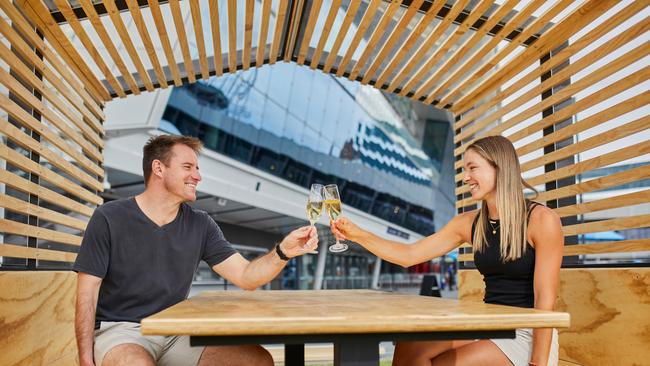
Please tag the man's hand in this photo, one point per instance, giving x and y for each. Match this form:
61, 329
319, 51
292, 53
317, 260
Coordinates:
300, 241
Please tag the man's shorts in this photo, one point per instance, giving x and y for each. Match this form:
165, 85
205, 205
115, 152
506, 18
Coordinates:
166, 351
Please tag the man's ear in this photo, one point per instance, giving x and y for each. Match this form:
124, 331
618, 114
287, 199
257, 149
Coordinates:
157, 167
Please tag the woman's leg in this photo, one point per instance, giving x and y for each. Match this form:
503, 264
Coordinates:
421, 353
479, 353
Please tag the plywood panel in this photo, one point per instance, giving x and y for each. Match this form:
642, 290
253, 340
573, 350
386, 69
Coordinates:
604, 329
37, 318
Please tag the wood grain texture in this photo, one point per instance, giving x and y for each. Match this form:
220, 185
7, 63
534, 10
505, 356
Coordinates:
336, 311
37, 318
609, 310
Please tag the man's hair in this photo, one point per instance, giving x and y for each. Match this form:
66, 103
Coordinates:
160, 148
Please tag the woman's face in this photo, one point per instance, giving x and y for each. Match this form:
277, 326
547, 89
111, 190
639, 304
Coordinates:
480, 175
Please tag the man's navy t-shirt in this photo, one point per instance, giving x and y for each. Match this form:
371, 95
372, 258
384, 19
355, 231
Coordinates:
145, 267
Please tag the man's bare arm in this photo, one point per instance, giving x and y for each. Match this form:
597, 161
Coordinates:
87, 294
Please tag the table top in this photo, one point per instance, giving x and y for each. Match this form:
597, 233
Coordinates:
243, 313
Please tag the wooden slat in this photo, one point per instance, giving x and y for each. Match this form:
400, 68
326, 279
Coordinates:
485, 67
156, 14
114, 14
232, 35
15, 251
88, 104
93, 17
175, 8
612, 180
377, 33
29, 165
26, 208
294, 24
470, 43
391, 41
623, 246
623, 200
598, 161
428, 43
410, 42
309, 30
216, 37
548, 41
40, 15
13, 227
620, 223
560, 76
28, 97
28, 75
248, 34
27, 120
635, 126
279, 24
195, 9
597, 75
327, 28
556, 60
442, 52
340, 35
368, 16
89, 45
594, 120
264, 29
43, 193
136, 15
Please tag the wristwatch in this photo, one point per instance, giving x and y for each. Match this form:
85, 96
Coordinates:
281, 253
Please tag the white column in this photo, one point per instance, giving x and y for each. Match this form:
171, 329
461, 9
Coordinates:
375, 274
320, 265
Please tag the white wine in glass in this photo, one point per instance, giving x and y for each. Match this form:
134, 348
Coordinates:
315, 203
333, 207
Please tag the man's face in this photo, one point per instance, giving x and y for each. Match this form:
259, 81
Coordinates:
181, 176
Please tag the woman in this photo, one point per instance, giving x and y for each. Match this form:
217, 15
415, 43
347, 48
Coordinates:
517, 247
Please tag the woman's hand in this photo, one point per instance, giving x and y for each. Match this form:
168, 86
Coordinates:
343, 228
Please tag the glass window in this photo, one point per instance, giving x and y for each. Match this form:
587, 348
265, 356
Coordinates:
300, 92
293, 129
273, 118
281, 77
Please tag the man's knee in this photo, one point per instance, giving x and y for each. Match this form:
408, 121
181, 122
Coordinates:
253, 355
127, 354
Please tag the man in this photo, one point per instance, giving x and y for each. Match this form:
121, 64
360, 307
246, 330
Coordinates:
138, 256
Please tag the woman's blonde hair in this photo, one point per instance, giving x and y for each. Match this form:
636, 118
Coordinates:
510, 201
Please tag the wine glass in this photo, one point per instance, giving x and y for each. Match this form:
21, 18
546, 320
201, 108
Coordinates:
333, 207
315, 203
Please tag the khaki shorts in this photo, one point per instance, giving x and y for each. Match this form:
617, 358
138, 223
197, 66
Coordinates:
520, 349
166, 351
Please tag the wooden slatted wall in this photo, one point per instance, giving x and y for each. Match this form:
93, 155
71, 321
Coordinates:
50, 175
584, 108
576, 104
52, 133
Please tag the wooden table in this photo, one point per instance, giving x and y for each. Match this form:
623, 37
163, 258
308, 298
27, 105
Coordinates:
354, 320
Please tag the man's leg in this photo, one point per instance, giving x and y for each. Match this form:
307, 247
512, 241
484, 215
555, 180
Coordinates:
128, 354
248, 355
121, 343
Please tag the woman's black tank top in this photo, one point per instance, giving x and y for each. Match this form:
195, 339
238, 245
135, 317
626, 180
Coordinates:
511, 282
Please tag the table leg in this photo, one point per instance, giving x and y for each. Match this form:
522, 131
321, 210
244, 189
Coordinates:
358, 352
294, 354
